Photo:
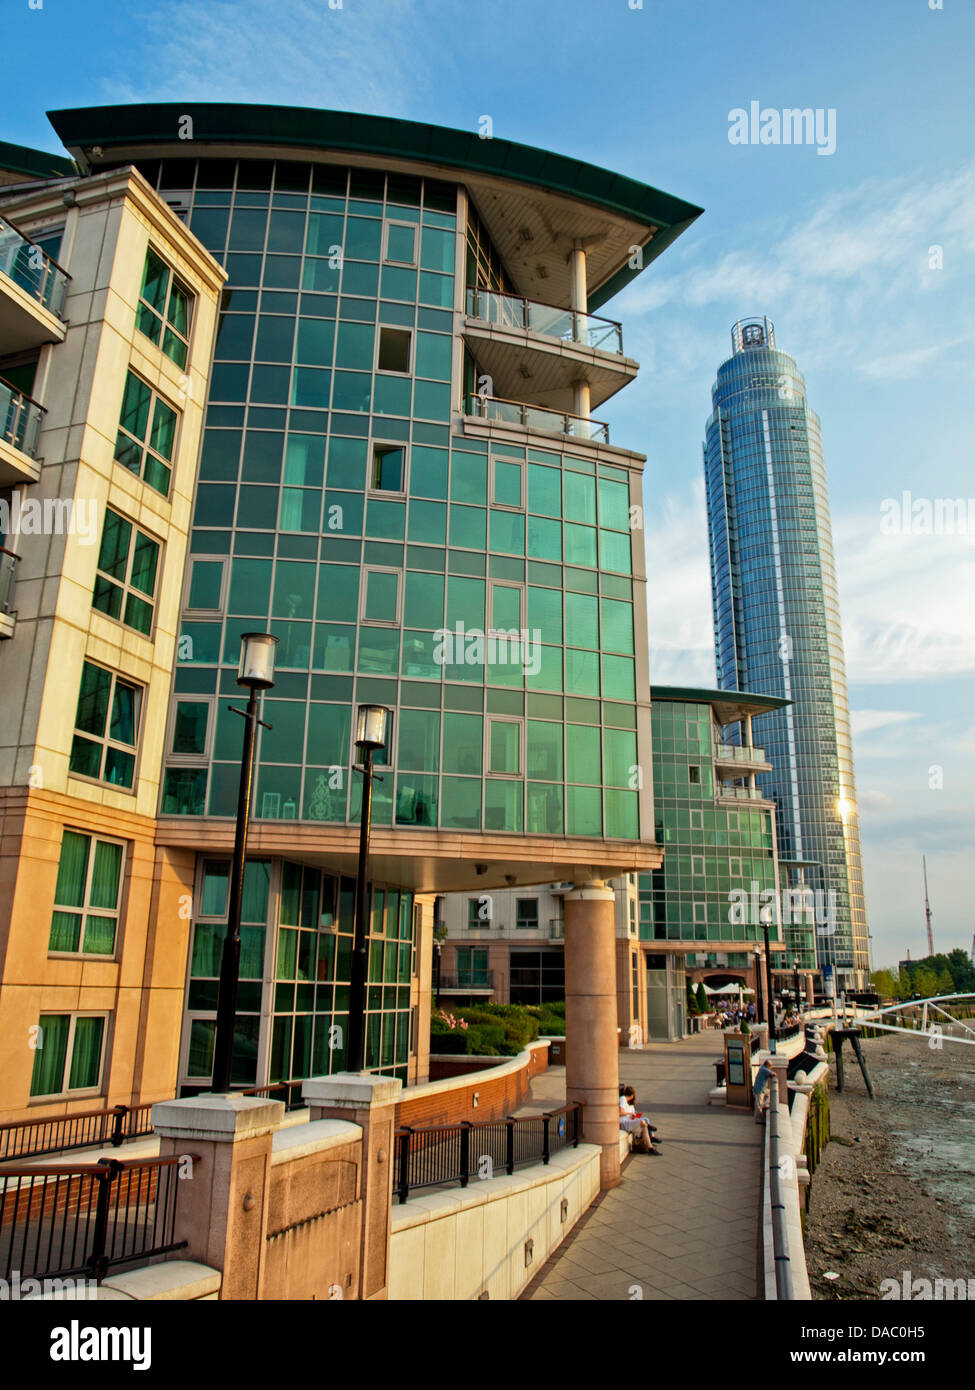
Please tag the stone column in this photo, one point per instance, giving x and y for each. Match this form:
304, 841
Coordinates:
592, 1066
368, 1101
422, 992
222, 1210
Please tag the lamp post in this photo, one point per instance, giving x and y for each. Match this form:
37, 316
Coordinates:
370, 734
795, 980
765, 917
256, 673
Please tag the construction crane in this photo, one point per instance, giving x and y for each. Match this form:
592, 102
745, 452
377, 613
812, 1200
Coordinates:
973, 951
927, 907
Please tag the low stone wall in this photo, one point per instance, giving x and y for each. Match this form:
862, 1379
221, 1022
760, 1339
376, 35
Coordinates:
499, 1089
469, 1243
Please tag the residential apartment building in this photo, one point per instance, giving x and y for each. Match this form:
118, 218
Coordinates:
108, 310
398, 463
777, 624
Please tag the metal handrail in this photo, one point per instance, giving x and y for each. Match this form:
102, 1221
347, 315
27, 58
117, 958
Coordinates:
596, 431
476, 293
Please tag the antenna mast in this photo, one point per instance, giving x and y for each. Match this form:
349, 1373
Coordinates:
927, 907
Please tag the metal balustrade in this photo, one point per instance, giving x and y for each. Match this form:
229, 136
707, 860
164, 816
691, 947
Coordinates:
30, 267
549, 320
536, 417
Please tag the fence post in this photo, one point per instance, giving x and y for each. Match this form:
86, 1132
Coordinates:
509, 1145
403, 1190
98, 1260
465, 1151
118, 1125
545, 1121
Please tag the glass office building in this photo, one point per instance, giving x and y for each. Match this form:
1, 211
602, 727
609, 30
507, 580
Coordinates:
400, 478
777, 626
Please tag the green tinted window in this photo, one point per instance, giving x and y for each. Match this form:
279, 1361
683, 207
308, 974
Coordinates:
462, 740
382, 591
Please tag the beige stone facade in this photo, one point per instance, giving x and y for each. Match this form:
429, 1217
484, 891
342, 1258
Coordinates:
81, 367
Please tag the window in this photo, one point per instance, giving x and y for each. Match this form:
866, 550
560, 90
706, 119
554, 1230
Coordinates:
697, 864
147, 435
504, 747
128, 565
479, 913
394, 350
106, 727
86, 897
191, 721
163, 314
388, 468
694, 774
400, 243
507, 484
206, 586
68, 1054
526, 913
380, 597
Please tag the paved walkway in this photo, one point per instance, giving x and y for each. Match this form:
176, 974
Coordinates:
681, 1226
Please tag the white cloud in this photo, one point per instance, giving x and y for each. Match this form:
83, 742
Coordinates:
865, 720
363, 56
679, 589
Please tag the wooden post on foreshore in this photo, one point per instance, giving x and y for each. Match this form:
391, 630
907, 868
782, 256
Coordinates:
839, 1036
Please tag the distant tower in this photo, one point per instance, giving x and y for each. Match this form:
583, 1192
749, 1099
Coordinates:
777, 622
927, 907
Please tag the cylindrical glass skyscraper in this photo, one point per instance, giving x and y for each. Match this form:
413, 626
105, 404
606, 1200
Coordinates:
777, 629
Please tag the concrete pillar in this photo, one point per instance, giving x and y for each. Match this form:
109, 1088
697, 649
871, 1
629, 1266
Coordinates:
578, 285
581, 399
368, 1101
222, 1210
592, 1066
421, 996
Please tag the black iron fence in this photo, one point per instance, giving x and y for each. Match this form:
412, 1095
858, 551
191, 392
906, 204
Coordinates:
83, 1128
69, 1221
441, 1154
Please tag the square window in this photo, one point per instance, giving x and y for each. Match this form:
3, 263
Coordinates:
381, 593
69, 1054
526, 914
507, 484
128, 567
147, 434
164, 310
694, 774
504, 747
395, 346
86, 896
388, 468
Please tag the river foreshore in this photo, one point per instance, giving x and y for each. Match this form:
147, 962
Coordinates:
895, 1187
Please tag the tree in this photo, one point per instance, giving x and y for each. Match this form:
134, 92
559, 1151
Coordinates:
703, 1006
962, 971
884, 983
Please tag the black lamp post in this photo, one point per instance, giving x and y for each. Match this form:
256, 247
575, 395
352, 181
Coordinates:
370, 734
795, 979
256, 673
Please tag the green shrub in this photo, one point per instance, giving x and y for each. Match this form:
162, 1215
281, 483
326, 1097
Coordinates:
703, 1006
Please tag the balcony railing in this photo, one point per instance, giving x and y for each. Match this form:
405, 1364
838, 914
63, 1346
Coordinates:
8, 563
31, 268
468, 979
741, 793
568, 325
20, 418
537, 418
738, 753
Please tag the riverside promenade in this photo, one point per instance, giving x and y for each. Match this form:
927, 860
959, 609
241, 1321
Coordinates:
685, 1225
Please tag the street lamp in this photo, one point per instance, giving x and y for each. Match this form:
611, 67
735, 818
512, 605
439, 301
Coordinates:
370, 734
765, 917
795, 980
255, 673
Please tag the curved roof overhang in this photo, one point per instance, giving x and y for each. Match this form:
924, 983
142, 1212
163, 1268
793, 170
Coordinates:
729, 705
536, 204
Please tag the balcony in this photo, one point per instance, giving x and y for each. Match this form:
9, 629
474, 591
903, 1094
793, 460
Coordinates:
32, 292
20, 425
736, 758
723, 793
8, 563
529, 347
497, 411
468, 982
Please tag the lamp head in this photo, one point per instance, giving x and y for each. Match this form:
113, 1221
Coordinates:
370, 726
256, 669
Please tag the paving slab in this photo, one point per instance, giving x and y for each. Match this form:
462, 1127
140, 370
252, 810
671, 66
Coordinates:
685, 1225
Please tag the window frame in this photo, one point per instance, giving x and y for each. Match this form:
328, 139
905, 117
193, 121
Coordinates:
223, 561
411, 355
389, 222
396, 621
519, 925
126, 586
169, 464
521, 464
520, 722
103, 740
86, 909
164, 319
522, 588
174, 759
389, 445
68, 1093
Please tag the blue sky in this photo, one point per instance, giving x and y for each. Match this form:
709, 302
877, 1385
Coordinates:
836, 249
